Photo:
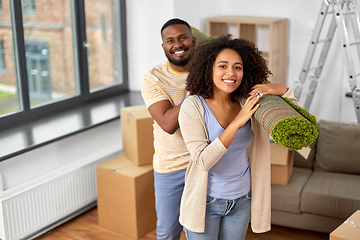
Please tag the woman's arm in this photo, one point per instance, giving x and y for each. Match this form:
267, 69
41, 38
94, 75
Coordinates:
193, 130
290, 95
240, 120
274, 89
269, 89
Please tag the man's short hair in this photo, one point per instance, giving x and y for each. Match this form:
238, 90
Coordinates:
173, 22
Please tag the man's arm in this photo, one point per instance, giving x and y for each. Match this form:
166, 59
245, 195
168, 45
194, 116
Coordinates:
165, 115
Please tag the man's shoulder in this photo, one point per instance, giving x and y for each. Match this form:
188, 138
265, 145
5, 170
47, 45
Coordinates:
152, 76
157, 72
158, 69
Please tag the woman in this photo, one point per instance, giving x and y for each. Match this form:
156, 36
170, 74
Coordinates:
229, 170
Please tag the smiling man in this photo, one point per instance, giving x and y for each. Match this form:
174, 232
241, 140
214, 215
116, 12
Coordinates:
163, 90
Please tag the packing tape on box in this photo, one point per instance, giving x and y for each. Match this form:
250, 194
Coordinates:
352, 224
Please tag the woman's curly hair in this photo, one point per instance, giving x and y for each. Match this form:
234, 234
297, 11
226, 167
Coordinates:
200, 78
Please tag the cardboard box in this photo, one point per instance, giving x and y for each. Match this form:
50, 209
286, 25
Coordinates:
137, 134
281, 164
349, 230
126, 202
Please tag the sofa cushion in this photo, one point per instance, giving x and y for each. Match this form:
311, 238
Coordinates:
338, 147
331, 194
287, 198
301, 161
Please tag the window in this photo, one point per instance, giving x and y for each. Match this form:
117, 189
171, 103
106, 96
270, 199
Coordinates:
1, 6
2, 57
102, 38
66, 54
9, 97
38, 70
28, 6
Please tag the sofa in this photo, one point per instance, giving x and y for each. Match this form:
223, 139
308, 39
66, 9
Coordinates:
324, 188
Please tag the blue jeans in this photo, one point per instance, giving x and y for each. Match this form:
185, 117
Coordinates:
225, 219
168, 190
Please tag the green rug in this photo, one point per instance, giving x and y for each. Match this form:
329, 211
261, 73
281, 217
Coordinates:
200, 36
287, 123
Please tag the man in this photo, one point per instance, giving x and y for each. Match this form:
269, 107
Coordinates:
163, 90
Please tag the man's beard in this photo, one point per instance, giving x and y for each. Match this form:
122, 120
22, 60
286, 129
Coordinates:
181, 62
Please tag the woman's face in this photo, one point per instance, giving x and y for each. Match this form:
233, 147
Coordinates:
227, 71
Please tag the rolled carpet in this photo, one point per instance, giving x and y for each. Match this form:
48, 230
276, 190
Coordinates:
200, 36
287, 123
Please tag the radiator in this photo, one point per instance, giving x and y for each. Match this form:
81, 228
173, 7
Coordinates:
35, 207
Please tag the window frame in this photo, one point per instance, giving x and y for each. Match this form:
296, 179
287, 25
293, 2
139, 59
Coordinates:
28, 114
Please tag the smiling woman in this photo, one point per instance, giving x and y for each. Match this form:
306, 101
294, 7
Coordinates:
219, 132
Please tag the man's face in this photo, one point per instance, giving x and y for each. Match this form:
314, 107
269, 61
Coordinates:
178, 44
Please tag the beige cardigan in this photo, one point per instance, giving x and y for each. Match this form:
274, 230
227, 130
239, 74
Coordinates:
205, 155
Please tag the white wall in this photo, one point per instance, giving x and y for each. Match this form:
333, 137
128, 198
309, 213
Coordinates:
195, 12
144, 21
144, 42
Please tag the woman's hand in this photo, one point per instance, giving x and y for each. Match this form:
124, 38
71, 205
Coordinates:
249, 108
240, 120
269, 89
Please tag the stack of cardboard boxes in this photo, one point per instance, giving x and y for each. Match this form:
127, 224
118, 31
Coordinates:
282, 160
281, 164
125, 184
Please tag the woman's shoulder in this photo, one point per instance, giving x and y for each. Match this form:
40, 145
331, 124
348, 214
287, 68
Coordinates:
193, 97
191, 100
192, 104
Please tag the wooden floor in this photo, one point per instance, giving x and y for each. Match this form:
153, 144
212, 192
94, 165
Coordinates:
85, 227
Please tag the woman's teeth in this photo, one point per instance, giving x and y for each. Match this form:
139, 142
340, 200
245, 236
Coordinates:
229, 81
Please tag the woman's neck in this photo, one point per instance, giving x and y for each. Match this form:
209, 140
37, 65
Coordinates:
221, 99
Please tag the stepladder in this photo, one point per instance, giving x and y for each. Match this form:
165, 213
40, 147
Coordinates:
344, 20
